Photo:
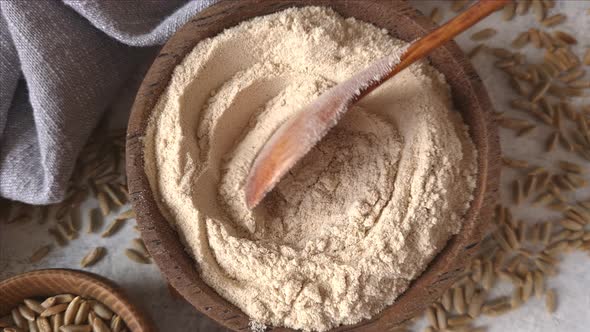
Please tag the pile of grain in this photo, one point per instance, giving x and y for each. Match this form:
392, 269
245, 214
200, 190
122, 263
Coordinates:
62, 313
99, 175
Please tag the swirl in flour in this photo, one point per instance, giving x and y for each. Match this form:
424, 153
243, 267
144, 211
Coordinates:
345, 232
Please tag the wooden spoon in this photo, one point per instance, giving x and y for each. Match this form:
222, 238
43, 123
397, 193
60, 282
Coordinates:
294, 138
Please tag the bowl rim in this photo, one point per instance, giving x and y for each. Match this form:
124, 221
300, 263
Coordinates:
469, 96
93, 284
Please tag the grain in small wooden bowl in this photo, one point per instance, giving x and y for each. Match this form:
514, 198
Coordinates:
50, 282
403, 22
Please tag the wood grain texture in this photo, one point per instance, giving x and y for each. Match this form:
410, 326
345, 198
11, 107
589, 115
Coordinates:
45, 283
403, 22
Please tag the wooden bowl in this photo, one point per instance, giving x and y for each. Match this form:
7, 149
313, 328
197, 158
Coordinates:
45, 283
403, 22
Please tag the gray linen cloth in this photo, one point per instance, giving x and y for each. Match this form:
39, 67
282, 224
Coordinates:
62, 64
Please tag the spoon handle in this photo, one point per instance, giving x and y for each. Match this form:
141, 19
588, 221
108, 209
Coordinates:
437, 37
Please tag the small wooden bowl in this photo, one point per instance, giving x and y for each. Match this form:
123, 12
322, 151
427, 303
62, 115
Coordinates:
45, 283
404, 22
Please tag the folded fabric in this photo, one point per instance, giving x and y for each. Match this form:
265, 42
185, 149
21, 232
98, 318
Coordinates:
62, 65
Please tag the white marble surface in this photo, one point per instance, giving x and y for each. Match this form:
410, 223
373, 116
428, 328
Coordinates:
146, 286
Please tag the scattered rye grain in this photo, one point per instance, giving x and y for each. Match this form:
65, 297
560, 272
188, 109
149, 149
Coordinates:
565, 142
549, 3
504, 64
460, 320
572, 167
515, 163
489, 275
74, 220
524, 105
436, 15
65, 230
431, 317
571, 225
113, 227
517, 192
535, 38
497, 307
112, 195
508, 11
565, 37
511, 237
543, 199
552, 59
534, 234
522, 7
459, 300
554, 20
539, 284
546, 41
138, 245
546, 230
40, 253
527, 289
476, 304
526, 131
518, 87
475, 51
103, 203
538, 10
501, 240
484, 34
128, 214
513, 123
500, 52
447, 300
93, 257
57, 236
586, 60
516, 298
521, 40
513, 263
94, 220
579, 84
551, 300
529, 185
552, 142
441, 318
514, 279
470, 289
136, 256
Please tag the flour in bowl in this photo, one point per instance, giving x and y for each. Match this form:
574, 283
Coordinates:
357, 219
